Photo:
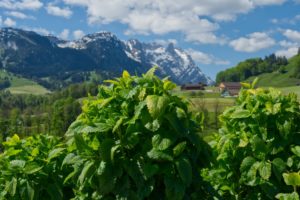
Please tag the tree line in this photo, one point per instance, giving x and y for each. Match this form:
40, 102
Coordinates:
50, 114
253, 67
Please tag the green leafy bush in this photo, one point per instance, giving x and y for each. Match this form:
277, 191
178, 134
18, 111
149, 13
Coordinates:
257, 144
137, 141
30, 169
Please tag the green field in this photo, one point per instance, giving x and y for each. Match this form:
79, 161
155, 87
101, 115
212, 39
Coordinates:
20, 85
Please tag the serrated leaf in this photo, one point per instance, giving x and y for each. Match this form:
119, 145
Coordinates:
30, 191
292, 179
160, 143
179, 148
156, 105
265, 170
125, 74
17, 164
240, 113
55, 153
95, 143
169, 85
288, 196
159, 155
86, 171
32, 168
118, 124
247, 163
153, 126
11, 187
296, 150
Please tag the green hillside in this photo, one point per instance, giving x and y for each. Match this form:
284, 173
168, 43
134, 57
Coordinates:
284, 78
20, 85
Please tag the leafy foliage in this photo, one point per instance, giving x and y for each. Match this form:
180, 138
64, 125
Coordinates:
258, 142
137, 141
30, 169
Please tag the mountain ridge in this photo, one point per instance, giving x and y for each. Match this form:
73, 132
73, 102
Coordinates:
35, 56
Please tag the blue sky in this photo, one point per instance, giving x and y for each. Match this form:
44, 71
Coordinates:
217, 33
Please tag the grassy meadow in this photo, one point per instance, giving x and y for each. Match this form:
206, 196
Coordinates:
20, 85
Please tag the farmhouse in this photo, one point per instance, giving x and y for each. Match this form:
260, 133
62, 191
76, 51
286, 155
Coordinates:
229, 88
193, 87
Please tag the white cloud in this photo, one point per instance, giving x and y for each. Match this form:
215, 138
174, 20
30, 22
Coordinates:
288, 44
0, 20
292, 20
65, 34
268, 2
39, 30
287, 52
292, 35
57, 11
9, 22
21, 4
197, 20
166, 42
18, 15
204, 58
78, 34
253, 42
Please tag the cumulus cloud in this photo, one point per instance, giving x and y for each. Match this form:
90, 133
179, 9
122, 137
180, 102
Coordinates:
197, 20
292, 20
65, 34
204, 58
21, 4
268, 2
78, 34
165, 42
292, 35
287, 52
9, 22
39, 30
57, 11
253, 42
290, 46
18, 15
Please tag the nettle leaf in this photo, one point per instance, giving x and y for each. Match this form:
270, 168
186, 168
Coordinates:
159, 155
290, 196
179, 148
247, 163
153, 126
296, 150
160, 143
86, 172
17, 164
168, 85
265, 170
32, 168
240, 113
55, 153
156, 105
11, 186
292, 179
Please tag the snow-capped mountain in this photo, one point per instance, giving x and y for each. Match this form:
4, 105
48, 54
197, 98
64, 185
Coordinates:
33, 55
173, 61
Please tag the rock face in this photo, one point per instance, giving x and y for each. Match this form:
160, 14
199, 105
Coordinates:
173, 62
32, 55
